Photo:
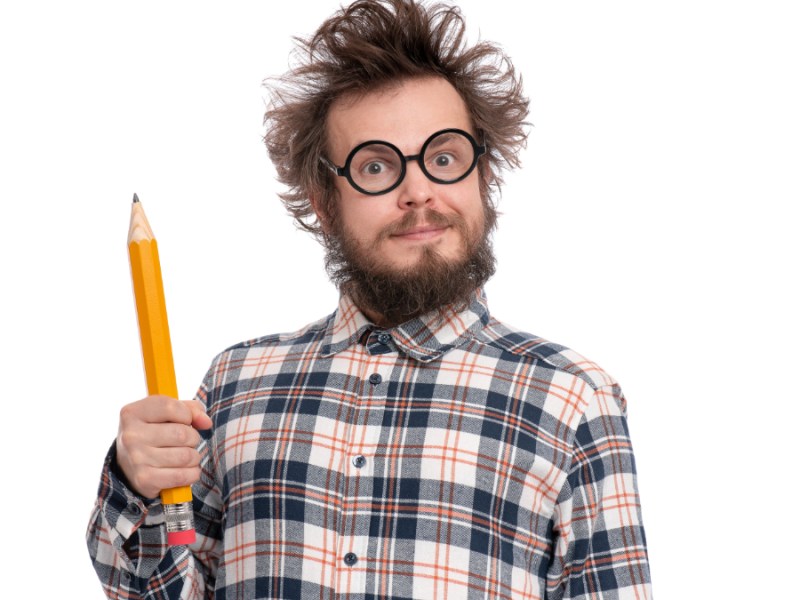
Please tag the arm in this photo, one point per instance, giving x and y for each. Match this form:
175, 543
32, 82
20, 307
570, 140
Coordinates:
599, 546
128, 543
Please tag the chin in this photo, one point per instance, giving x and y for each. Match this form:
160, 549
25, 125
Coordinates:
415, 267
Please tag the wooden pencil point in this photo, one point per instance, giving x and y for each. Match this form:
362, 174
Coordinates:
135, 197
139, 229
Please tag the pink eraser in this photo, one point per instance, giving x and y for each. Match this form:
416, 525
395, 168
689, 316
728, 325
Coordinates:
180, 538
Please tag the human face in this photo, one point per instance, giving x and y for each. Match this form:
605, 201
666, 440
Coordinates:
420, 216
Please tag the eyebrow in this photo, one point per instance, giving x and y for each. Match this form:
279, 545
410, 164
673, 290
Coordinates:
378, 150
443, 139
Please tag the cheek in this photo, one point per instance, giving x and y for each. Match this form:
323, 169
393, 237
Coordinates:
344, 207
467, 202
360, 219
475, 219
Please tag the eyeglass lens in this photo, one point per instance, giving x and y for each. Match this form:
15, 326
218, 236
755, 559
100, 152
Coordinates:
446, 158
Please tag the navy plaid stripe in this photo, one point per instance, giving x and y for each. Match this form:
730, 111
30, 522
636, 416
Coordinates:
455, 458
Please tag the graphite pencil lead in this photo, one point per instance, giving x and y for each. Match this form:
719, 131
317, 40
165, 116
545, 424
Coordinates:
135, 197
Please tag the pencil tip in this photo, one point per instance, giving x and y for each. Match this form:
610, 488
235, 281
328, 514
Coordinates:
135, 197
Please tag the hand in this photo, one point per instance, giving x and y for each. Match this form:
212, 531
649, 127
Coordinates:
157, 443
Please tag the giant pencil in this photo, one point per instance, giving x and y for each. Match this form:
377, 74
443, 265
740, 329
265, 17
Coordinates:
157, 354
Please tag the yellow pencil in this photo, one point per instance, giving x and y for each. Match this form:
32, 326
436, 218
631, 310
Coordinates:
151, 310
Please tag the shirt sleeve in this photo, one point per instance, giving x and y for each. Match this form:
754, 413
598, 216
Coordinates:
599, 548
127, 540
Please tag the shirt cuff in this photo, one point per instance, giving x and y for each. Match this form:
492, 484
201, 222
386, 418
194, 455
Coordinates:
133, 521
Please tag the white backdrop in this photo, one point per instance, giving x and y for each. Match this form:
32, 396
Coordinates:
652, 228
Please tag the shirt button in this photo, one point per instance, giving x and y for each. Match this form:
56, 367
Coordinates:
359, 461
375, 378
135, 510
384, 338
350, 559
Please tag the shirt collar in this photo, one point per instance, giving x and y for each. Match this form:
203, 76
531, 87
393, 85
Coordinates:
424, 338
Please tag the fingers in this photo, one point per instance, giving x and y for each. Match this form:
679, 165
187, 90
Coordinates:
159, 409
149, 481
164, 458
200, 420
140, 435
156, 443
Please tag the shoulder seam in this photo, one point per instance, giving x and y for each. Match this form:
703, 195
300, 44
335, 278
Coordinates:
500, 341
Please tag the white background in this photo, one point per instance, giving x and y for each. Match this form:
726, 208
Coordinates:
652, 228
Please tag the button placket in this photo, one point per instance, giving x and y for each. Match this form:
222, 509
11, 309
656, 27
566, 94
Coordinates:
353, 544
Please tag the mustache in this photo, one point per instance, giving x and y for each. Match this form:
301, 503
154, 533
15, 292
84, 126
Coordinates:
414, 218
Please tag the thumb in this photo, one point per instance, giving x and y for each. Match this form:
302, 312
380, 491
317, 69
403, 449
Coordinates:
200, 420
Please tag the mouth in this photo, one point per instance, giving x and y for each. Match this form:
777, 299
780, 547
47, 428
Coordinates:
421, 232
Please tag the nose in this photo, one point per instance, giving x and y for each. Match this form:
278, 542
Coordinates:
416, 190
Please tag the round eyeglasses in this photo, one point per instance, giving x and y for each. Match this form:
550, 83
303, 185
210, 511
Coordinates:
377, 167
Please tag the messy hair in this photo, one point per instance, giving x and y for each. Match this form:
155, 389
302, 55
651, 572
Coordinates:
373, 44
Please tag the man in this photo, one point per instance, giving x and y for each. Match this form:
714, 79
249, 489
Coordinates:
409, 445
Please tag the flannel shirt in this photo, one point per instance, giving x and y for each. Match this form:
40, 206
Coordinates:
449, 457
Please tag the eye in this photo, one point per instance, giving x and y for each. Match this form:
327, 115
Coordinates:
443, 160
374, 168
374, 161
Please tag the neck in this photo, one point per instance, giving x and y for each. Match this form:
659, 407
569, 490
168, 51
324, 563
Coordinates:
373, 315
376, 318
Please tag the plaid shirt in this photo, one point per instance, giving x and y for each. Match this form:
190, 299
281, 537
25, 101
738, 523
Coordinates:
450, 457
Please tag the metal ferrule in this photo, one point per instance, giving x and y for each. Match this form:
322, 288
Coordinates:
179, 517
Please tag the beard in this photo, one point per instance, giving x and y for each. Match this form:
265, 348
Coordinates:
432, 283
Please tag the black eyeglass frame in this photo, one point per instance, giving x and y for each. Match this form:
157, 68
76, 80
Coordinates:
477, 149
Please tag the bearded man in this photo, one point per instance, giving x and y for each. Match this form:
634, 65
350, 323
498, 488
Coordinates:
409, 445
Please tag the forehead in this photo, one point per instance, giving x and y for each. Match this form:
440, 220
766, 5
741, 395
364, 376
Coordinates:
405, 114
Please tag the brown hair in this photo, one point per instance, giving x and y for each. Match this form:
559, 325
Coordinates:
369, 45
